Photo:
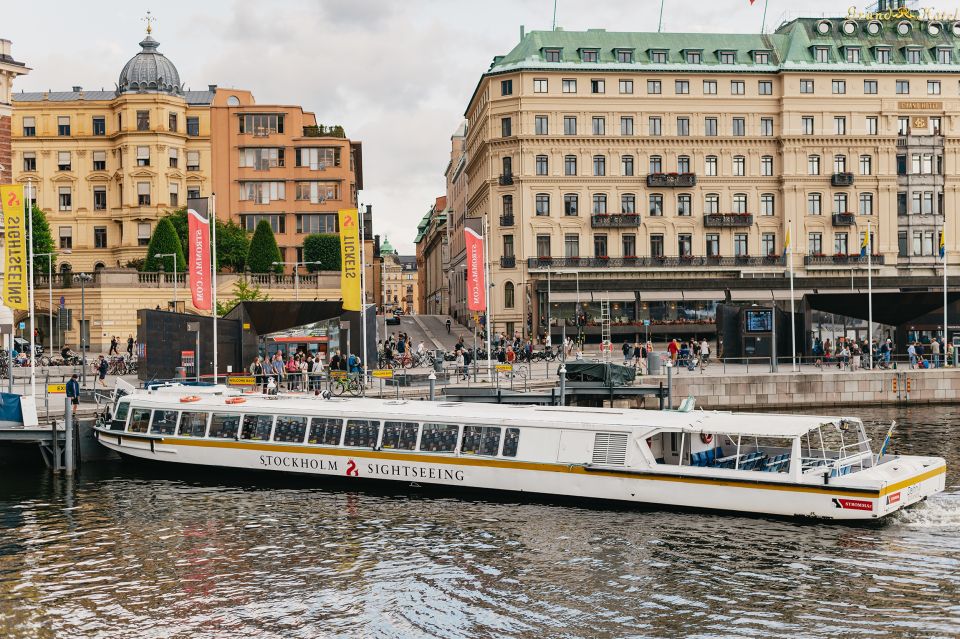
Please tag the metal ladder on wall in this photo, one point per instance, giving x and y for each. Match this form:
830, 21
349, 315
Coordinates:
606, 343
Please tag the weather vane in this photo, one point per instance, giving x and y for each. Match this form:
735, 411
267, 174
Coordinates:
149, 20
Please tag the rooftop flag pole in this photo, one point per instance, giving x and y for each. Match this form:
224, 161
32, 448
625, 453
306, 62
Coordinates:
660, 24
763, 24
554, 15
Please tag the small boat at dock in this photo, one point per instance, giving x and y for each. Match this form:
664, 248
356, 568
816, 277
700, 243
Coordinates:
783, 465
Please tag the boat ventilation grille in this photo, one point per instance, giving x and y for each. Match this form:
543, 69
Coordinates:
610, 449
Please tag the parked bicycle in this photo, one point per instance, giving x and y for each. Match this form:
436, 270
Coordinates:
344, 383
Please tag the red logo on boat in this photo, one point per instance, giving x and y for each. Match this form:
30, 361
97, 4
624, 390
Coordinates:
894, 498
853, 504
352, 468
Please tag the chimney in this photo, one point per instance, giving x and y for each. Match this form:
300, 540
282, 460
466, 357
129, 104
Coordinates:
77, 89
522, 32
211, 88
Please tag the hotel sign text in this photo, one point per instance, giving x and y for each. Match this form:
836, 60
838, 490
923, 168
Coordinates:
922, 106
903, 13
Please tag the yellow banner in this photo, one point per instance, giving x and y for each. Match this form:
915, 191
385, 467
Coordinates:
241, 381
504, 368
56, 388
383, 373
15, 227
350, 259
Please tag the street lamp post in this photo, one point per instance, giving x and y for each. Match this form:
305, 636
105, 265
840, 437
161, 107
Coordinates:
84, 278
296, 273
174, 256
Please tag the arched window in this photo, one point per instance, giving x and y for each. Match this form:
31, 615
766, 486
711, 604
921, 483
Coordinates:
65, 267
508, 295
98, 266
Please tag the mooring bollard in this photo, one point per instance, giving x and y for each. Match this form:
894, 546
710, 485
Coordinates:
68, 433
563, 384
433, 385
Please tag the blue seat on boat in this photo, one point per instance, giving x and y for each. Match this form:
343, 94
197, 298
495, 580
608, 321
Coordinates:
711, 456
696, 459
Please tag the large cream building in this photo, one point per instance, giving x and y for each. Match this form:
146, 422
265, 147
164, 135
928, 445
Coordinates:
664, 171
10, 70
105, 165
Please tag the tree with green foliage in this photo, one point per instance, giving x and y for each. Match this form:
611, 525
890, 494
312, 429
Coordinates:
264, 250
42, 242
233, 241
323, 248
242, 292
164, 240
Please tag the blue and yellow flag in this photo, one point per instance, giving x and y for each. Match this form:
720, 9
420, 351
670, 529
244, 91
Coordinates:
786, 244
943, 240
864, 244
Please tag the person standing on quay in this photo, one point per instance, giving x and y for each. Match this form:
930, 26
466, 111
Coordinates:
130, 345
674, 349
102, 370
73, 392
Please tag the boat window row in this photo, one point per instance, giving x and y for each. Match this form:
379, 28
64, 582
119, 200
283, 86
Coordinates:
490, 441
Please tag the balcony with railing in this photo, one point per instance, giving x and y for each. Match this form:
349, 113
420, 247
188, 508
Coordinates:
506, 219
671, 179
614, 220
692, 261
844, 219
841, 179
727, 220
841, 259
506, 179
508, 261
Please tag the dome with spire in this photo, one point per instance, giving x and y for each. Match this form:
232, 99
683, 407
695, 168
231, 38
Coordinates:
387, 248
149, 72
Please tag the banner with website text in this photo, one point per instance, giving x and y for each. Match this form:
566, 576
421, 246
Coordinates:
350, 259
476, 282
198, 258
15, 227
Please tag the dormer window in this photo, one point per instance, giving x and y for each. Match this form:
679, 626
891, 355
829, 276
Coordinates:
853, 54
761, 57
658, 57
728, 57
912, 55
551, 55
624, 55
693, 57
882, 55
821, 54
589, 55
944, 55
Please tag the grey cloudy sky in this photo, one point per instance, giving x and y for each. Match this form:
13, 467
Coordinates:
396, 75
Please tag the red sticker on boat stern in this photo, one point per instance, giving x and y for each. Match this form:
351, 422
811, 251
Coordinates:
853, 504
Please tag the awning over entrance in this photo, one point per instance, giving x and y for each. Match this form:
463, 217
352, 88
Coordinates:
891, 308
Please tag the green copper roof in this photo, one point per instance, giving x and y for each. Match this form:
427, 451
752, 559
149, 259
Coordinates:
422, 226
387, 248
792, 47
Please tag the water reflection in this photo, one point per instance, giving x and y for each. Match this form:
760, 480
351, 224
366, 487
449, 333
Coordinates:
121, 551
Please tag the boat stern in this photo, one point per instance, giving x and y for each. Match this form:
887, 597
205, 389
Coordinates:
909, 480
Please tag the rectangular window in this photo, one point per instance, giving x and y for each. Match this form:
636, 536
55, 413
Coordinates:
658, 57
543, 246
626, 86
569, 125
840, 125
684, 205
363, 433
193, 160
172, 122
626, 125
628, 203
401, 435
597, 86
768, 244
683, 164
840, 244
570, 165
684, 245
656, 205
193, 126
822, 54
903, 125
29, 161
626, 165
866, 204
99, 126
260, 124
29, 127
740, 203
540, 85
571, 245
766, 165
63, 125
262, 192
588, 55
765, 87
291, 429
853, 55
903, 87
813, 165
840, 203
738, 87
317, 192
629, 245
739, 126
654, 126
883, 55
99, 198
656, 164
66, 237
710, 126
654, 87
508, 250
541, 125
728, 57
541, 165
872, 127
143, 193
710, 165
277, 221
806, 86
944, 56
815, 243
308, 223
870, 87
740, 245
326, 431
143, 120
739, 165
814, 204
767, 204
681, 87
913, 56
694, 57
542, 201
143, 156
683, 126
569, 86
506, 87
839, 87
807, 124
624, 56
65, 198
174, 194
552, 55
656, 245
99, 237
766, 127
933, 87
711, 204
599, 125
866, 164
902, 250
571, 204
599, 165
506, 127
709, 87
599, 203
901, 203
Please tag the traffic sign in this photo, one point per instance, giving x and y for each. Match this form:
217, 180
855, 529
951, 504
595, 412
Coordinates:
504, 368
56, 388
383, 373
646, 322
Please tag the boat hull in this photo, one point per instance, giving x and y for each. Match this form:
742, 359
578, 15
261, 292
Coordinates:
692, 489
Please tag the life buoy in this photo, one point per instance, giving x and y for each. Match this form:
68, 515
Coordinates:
235, 400
706, 438
189, 398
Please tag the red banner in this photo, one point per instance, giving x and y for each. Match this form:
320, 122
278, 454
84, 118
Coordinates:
476, 282
198, 247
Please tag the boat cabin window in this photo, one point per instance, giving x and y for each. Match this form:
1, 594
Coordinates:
480, 440
838, 448
256, 427
164, 422
290, 429
763, 454
400, 435
510, 442
193, 424
439, 438
140, 420
325, 430
120, 416
361, 433
224, 426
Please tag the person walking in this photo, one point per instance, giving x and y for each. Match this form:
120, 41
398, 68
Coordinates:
73, 392
674, 349
912, 353
114, 343
102, 371
935, 353
627, 351
461, 367
704, 352
130, 345
256, 369
449, 324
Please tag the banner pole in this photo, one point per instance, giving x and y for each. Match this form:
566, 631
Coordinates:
363, 295
33, 353
486, 295
213, 281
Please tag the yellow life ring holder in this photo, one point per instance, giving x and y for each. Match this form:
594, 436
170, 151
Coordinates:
189, 398
706, 438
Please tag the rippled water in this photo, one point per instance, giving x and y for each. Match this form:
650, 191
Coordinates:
126, 552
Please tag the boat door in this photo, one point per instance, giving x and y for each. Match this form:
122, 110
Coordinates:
576, 447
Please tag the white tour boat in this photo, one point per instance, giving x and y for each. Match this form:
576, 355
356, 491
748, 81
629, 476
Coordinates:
789, 465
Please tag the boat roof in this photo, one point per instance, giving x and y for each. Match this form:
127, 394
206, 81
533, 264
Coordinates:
695, 421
